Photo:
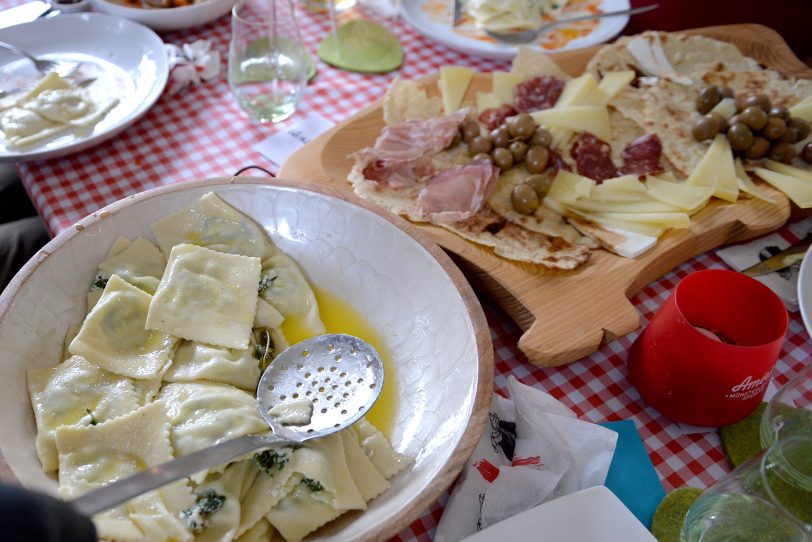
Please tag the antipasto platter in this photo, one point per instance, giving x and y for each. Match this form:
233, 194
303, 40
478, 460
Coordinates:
567, 306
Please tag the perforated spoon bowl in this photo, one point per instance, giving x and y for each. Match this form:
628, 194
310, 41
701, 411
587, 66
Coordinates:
341, 375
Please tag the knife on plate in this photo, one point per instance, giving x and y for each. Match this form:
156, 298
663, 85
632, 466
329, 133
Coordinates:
24, 13
790, 255
456, 12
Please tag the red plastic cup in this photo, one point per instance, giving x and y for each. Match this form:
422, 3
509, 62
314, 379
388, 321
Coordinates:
707, 355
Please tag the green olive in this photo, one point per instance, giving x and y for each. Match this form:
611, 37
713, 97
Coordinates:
790, 135
482, 156
456, 140
774, 128
470, 129
758, 148
519, 150
502, 158
739, 102
740, 137
707, 98
524, 199
801, 125
782, 152
540, 183
754, 117
500, 136
541, 138
781, 112
522, 126
480, 144
705, 128
537, 159
727, 92
758, 100
806, 153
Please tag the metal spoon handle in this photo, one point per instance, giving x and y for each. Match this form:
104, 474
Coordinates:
120, 491
634, 11
17, 50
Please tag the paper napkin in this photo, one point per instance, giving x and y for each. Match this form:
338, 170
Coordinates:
191, 63
534, 450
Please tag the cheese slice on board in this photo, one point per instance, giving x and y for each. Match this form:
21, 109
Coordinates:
650, 206
747, 185
803, 109
798, 190
650, 230
612, 83
487, 100
577, 118
787, 169
568, 187
716, 170
453, 84
503, 83
531, 62
681, 195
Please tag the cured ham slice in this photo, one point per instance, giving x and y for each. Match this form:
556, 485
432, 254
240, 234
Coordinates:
458, 193
402, 153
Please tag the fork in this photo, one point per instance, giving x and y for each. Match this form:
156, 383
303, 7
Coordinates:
62, 68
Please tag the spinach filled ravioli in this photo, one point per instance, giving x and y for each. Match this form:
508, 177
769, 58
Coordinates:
166, 362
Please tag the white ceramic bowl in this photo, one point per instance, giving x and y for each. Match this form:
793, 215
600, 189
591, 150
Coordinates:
407, 287
166, 19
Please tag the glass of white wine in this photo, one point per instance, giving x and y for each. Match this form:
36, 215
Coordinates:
267, 64
768, 498
789, 412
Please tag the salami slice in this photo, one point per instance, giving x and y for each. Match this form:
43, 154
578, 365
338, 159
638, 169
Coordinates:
538, 93
495, 116
593, 157
557, 162
642, 156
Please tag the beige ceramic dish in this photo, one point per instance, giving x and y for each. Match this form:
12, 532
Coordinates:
405, 285
167, 19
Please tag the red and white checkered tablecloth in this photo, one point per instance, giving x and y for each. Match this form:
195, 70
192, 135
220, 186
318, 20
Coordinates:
201, 132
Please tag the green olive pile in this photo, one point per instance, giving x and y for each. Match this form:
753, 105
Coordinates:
757, 130
518, 140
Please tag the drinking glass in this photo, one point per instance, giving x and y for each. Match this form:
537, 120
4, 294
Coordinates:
768, 498
267, 64
789, 412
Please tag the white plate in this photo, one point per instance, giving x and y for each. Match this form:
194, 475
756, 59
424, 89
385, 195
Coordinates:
437, 26
167, 19
805, 291
127, 59
403, 283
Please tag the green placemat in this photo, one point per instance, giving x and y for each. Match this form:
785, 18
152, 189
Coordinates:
742, 440
667, 521
362, 46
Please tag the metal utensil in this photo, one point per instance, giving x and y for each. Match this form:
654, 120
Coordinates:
526, 36
790, 255
6, 92
456, 12
340, 374
62, 68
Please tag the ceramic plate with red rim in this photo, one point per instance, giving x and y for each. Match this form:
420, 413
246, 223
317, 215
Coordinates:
432, 18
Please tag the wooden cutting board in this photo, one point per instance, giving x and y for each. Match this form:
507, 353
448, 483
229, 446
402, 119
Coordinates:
566, 315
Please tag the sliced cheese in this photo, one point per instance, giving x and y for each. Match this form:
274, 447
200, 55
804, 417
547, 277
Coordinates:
666, 220
503, 83
568, 187
787, 169
681, 195
717, 171
803, 109
487, 100
726, 108
612, 83
577, 118
624, 243
637, 227
799, 191
632, 207
582, 90
453, 84
530, 62
747, 185
624, 183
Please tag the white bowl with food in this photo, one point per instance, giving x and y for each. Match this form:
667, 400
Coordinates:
166, 15
370, 274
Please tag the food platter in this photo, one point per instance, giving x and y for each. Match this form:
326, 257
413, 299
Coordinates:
347, 247
567, 315
124, 58
167, 19
432, 22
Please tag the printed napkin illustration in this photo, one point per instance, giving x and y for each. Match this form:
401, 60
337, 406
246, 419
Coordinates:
534, 450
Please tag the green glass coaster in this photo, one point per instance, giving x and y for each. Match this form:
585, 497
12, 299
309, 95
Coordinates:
742, 440
667, 521
362, 46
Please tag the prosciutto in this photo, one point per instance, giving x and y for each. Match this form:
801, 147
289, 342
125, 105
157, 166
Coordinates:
402, 153
458, 193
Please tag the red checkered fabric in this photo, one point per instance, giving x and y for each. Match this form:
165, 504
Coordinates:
201, 132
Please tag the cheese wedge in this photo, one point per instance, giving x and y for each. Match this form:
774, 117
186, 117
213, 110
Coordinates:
632, 207
666, 220
530, 62
453, 84
650, 230
577, 118
612, 83
726, 108
487, 100
568, 187
624, 243
803, 109
717, 171
798, 190
787, 169
747, 185
680, 195
624, 183
503, 83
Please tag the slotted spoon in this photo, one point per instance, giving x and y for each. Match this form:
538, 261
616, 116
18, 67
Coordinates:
63, 68
340, 374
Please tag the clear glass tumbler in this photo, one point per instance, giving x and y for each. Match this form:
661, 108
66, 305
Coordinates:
768, 498
267, 64
789, 412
